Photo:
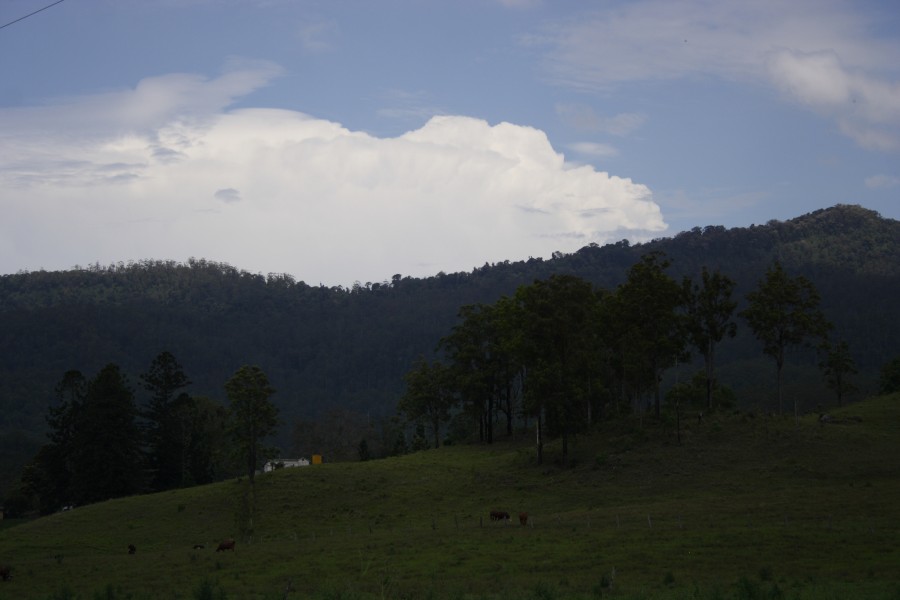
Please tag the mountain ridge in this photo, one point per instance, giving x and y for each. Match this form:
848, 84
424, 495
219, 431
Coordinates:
338, 348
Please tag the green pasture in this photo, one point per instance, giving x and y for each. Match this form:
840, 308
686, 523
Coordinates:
745, 507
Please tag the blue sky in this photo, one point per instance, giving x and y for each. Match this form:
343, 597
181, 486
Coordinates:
343, 141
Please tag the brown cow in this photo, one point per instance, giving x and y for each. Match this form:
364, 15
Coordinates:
5, 574
226, 545
499, 515
523, 518
131, 549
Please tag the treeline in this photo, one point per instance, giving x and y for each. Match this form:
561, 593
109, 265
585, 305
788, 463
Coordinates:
563, 354
340, 353
103, 444
557, 355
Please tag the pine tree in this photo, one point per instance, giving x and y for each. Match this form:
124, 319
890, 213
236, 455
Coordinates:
253, 416
167, 437
106, 441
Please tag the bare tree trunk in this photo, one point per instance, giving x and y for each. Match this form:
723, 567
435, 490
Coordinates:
709, 376
779, 363
490, 419
677, 422
656, 377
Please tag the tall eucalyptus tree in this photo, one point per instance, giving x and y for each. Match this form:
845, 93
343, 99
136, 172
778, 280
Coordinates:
559, 332
783, 312
653, 334
709, 308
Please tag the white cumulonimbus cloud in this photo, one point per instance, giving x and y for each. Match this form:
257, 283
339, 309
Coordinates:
166, 171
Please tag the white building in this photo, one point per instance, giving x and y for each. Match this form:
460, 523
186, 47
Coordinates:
284, 463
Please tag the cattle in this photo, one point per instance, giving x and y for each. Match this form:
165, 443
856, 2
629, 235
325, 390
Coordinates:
5, 573
131, 549
499, 515
226, 545
199, 546
523, 518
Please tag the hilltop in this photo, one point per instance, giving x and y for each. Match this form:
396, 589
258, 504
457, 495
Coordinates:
746, 507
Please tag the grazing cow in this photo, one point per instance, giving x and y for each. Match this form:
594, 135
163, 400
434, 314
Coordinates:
199, 546
499, 515
131, 549
226, 545
5, 574
523, 518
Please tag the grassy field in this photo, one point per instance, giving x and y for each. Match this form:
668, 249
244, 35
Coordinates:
745, 507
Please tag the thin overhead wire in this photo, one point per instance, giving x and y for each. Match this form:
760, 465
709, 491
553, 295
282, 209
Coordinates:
31, 14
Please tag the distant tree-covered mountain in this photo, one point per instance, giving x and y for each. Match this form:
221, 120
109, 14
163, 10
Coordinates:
328, 349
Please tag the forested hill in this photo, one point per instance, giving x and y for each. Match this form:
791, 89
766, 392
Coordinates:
326, 348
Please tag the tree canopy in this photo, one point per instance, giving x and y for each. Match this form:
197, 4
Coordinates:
783, 312
709, 308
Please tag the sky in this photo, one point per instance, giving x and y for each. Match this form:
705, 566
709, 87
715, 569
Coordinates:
349, 141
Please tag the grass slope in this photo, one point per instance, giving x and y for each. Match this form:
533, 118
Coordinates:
744, 507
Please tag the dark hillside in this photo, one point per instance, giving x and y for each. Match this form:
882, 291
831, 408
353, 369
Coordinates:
327, 348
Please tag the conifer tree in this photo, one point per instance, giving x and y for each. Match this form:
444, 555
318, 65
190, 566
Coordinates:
253, 416
167, 438
106, 442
